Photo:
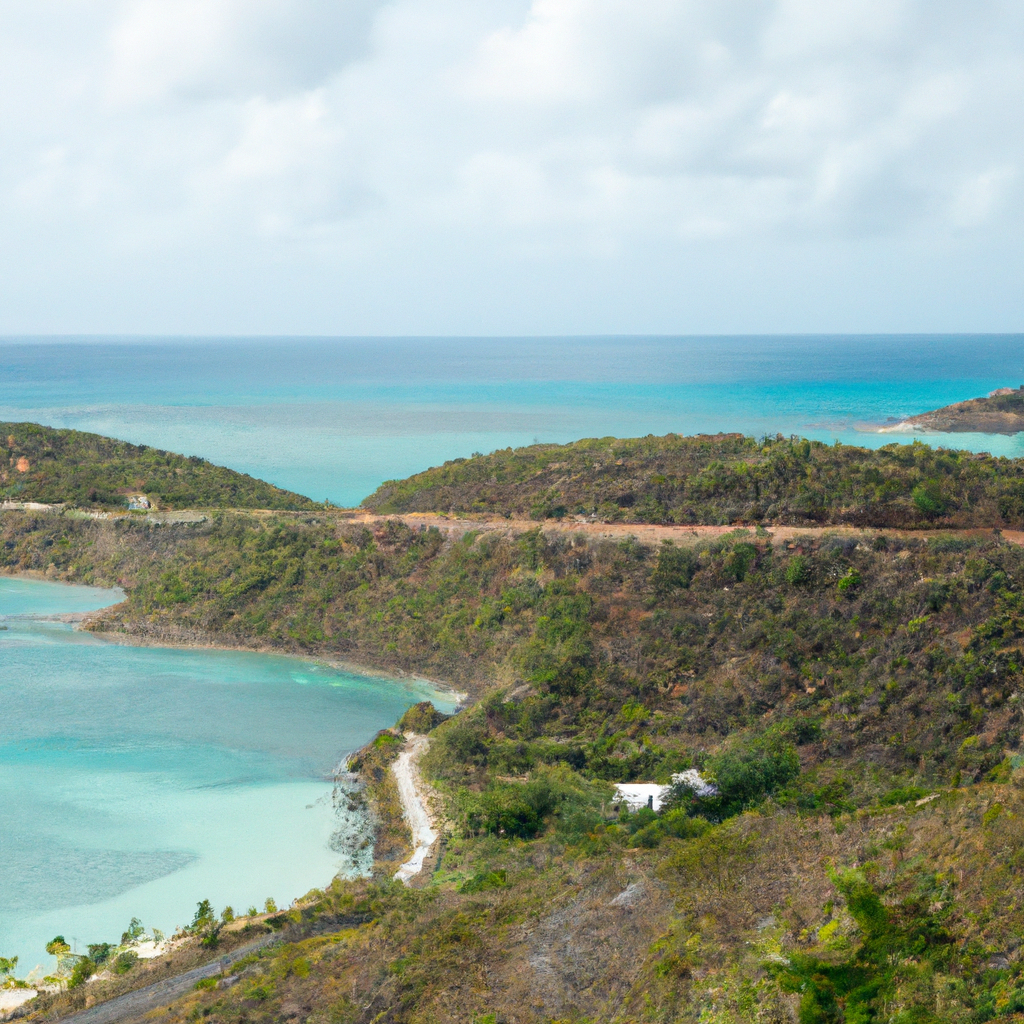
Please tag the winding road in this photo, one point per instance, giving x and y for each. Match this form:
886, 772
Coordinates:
414, 805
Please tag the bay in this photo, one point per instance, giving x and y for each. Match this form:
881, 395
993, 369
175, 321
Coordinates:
135, 781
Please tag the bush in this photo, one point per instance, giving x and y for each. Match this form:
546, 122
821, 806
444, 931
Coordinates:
799, 570
521, 809
902, 795
675, 569
850, 582
125, 961
421, 718
82, 972
485, 880
204, 917
745, 778
929, 499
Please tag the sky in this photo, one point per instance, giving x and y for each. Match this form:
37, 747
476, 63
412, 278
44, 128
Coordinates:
511, 167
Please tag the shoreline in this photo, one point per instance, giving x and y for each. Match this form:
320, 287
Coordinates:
126, 639
80, 621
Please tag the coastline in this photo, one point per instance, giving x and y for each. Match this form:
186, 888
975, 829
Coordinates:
128, 639
82, 620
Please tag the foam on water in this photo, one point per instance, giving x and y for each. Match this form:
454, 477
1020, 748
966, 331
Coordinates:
136, 781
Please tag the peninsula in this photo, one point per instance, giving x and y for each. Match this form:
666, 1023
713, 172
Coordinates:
999, 412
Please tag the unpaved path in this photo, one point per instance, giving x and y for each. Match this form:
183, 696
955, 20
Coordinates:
135, 1004
652, 534
411, 789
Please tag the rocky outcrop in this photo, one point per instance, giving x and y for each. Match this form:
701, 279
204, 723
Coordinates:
1001, 412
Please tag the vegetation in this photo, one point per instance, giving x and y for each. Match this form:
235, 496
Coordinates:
42, 464
853, 700
1001, 412
722, 479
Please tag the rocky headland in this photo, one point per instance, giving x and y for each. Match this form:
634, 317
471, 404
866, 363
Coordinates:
1000, 412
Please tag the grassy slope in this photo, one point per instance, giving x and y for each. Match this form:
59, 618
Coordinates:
827, 685
722, 479
617, 661
90, 471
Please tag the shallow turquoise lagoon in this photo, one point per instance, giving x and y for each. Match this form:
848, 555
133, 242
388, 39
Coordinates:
137, 781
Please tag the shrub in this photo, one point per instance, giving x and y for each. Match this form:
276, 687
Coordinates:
422, 718
850, 582
125, 961
99, 952
744, 778
521, 809
83, 970
675, 569
799, 570
929, 499
902, 795
485, 880
203, 918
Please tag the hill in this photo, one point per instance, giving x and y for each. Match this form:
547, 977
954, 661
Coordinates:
722, 479
856, 700
1001, 412
43, 464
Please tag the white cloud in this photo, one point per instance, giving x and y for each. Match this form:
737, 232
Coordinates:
419, 165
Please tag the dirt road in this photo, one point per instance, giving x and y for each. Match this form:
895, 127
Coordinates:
646, 533
414, 805
135, 1004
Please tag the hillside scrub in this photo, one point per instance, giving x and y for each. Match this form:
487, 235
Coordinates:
771, 916
42, 464
599, 662
855, 701
722, 479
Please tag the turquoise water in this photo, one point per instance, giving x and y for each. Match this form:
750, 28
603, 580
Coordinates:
332, 418
136, 781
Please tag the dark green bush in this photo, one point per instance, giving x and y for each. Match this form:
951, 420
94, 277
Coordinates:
124, 962
421, 718
675, 569
485, 880
902, 795
83, 970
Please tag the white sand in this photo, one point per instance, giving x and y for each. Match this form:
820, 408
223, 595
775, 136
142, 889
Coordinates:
414, 806
12, 998
150, 950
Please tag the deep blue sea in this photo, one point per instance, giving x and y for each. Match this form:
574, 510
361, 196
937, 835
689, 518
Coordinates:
332, 418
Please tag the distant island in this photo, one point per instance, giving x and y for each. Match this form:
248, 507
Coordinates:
999, 412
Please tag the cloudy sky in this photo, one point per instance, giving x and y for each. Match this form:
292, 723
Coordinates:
503, 167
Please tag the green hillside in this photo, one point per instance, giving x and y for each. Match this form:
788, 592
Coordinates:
42, 464
856, 700
722, 479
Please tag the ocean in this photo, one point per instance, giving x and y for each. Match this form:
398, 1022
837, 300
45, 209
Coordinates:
333, 418
135, 781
